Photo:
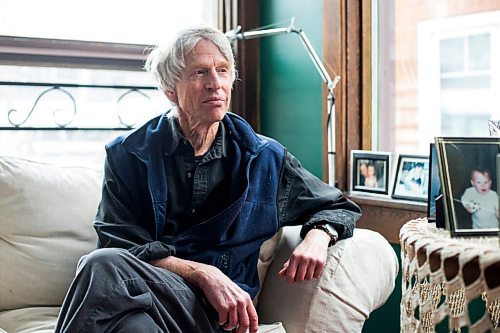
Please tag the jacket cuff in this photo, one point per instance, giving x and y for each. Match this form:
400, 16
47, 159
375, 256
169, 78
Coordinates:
343, 222
152, 251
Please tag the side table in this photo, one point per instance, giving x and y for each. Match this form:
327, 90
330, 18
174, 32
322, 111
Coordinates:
442, 275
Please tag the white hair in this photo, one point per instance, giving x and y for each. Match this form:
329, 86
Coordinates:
167, 62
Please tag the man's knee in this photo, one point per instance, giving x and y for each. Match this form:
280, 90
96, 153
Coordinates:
101, 258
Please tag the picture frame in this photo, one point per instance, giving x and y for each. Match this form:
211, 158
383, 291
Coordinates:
412, 177
468, 171
434, 189
370, 172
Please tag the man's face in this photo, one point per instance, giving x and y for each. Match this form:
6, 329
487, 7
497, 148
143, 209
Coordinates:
481, 182
203, 93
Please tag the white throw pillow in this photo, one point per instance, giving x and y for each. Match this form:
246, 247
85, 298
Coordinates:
46, 215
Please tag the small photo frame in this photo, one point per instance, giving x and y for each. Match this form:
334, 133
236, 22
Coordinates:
370, 172
412, 177
434, 189
468, 171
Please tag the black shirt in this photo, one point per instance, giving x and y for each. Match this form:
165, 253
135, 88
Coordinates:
199, 189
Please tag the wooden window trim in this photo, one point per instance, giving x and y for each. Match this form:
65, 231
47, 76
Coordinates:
58, 52
347, 49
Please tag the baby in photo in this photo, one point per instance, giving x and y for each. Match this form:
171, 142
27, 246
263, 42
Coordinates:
481, 201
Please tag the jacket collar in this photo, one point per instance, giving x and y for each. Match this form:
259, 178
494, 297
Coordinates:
218, 149
151, 137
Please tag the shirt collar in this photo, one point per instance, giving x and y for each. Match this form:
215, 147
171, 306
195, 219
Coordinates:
217, 150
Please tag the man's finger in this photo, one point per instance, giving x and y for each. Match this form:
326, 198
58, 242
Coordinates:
253, 318
302, 270
283, 269
232, 321
291, 270
243, 319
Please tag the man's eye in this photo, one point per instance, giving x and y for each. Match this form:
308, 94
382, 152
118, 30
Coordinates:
223, 71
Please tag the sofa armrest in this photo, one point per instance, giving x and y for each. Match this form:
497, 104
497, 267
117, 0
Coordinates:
358, 278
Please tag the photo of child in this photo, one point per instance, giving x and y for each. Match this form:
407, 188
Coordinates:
480, 200
469, 183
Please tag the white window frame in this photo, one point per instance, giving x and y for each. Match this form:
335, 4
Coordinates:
430, 33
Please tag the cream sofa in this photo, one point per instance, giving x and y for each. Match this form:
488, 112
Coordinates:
46, 215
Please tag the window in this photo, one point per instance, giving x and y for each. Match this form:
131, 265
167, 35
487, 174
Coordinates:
116, 21
72, 78
438, 72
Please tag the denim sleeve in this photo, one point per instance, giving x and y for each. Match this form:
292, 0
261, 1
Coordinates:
304, 199
119, 222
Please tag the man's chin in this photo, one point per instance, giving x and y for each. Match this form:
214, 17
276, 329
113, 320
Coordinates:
217, 114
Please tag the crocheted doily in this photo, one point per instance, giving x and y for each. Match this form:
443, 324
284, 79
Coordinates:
442, 275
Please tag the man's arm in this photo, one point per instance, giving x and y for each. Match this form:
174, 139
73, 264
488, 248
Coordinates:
233, 305
118, 222
305, 199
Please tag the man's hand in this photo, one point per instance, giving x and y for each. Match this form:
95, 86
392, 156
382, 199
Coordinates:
233, 305
308, 259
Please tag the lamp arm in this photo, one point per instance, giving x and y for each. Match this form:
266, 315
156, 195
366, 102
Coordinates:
236, 34
317, 61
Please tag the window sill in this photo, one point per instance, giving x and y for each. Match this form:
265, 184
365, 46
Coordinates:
386, 215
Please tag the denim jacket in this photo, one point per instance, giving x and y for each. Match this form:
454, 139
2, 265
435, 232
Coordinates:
136, 183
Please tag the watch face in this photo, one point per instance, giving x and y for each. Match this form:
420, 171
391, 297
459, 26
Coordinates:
330, 229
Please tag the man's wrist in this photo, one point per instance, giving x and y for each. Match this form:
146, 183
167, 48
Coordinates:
330, 231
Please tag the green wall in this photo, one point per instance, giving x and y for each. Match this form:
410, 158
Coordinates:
291, 88
292, 106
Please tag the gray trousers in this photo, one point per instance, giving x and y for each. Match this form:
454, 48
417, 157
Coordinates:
113, 292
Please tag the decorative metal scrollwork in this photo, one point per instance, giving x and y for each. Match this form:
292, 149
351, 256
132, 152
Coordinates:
118, 113
55, 112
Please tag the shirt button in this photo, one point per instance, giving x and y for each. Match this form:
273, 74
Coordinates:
185, 142
193, 210
189, 174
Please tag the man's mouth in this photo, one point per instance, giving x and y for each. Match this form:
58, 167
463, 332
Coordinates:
214, 100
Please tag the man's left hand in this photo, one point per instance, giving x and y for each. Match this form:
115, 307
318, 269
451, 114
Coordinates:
308, 259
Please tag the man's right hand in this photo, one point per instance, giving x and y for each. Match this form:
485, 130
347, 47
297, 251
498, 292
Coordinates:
233, 305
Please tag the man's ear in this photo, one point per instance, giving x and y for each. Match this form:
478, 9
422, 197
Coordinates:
172, 96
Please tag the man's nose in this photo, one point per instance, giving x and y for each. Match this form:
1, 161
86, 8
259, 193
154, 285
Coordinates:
213, 80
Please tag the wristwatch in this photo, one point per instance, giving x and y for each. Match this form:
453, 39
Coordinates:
330, 231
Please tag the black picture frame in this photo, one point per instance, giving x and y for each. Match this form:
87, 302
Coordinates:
376, 180
464, 162
412, 177
434, 190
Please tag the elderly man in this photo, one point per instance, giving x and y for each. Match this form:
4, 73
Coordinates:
187, 201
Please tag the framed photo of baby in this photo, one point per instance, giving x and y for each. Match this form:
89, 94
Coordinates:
468, 171
370, 172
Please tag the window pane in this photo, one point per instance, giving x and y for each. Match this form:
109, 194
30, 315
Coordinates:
120, 21
466, 83
452, 55
479, 52
438, 71
95, 109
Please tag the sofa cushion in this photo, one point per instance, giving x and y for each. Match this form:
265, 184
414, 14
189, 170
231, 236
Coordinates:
44, 319
46, 215
29, 320
358, 278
